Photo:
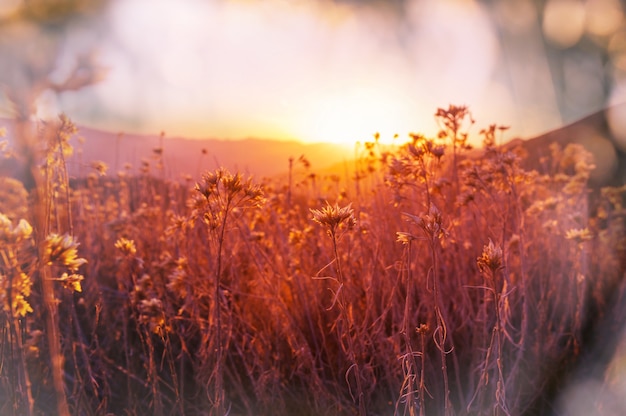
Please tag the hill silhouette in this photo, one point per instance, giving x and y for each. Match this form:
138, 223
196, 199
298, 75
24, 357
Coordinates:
598, 133
181, 156
270, 158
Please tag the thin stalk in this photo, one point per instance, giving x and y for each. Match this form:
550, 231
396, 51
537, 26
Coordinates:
422, 385
219, 371
346, 318
42, 217
407, 338
500, 403
440, 331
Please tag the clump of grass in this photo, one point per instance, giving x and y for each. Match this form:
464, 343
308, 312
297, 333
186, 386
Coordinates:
188, 300
218, 195
334, 218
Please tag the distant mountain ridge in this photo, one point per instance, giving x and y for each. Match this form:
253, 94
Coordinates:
269, 158
181, 156
597, 134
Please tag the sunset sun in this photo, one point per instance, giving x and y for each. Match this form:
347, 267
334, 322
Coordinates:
355, 117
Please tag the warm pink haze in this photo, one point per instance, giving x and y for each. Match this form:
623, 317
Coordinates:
339, 71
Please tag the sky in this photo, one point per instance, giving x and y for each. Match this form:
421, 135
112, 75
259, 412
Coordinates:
324, 70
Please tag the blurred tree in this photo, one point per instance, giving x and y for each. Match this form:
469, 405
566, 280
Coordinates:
33, 34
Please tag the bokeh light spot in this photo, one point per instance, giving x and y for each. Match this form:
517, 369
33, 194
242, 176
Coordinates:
564, 22
603, 16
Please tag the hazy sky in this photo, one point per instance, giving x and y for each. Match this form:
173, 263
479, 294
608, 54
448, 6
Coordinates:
321, 70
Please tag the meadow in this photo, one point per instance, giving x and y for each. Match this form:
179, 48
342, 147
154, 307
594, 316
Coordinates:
434, 279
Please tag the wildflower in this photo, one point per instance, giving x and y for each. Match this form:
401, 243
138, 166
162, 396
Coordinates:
438, 151
21, 306
151, 314
491, 258
431, 223
13, 198
23, 230
20, 288
100, 167
296, 237
178, 224
6, 228
422, 329
579, 235
614, 195
72, 281
177, 283
576, 185
144, 284
150, 307
127, 247
415, 151
63, 249
208, 185
404, 238
333, 216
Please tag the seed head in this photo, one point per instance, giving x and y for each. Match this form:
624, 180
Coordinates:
72, 281
127, 247
579, 235
63, 249
422, 329
404, 238
431, 223
100, 167
20, 286
333, 216
491, 259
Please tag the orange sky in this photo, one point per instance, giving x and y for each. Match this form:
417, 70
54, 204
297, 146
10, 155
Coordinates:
320, 70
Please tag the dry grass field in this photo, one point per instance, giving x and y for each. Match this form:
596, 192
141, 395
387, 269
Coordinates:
432, 281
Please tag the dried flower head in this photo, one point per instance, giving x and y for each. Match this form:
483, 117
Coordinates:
222, 189
127, 247
422, 329
19, 285
6, 228
177, 282
72, 281
404, 238
100, 167
152, 315
431, 223
579, 235
491, 258
333, 216
63, 250
296, 237
13, 198
23, 231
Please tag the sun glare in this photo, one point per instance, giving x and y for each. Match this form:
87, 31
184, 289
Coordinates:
355, 117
